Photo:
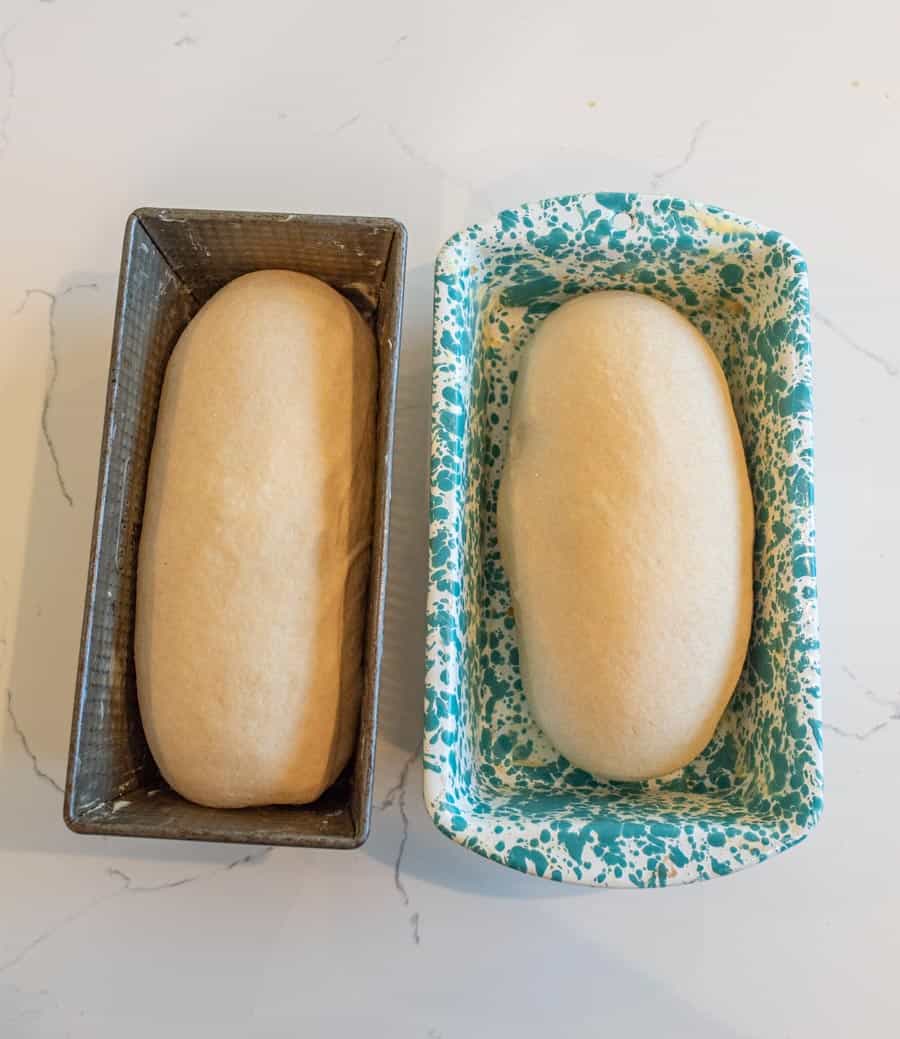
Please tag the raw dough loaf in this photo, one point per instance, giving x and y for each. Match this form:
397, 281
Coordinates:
626, 530
254, 556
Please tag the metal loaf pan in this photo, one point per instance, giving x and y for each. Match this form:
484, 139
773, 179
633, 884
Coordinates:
172, 262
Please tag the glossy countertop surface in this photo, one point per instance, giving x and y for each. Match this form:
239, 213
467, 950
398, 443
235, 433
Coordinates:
439, 116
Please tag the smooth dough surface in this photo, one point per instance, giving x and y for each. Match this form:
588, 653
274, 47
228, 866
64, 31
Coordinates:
254, 554
626, 530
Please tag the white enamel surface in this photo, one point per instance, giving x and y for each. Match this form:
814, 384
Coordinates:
438, 116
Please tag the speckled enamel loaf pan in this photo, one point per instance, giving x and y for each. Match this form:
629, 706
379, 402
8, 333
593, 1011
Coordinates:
173, 261
492, 780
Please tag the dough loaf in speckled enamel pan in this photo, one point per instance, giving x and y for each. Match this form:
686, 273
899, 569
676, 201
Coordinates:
254, 554
626, 530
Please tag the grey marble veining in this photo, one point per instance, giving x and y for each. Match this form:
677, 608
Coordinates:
440, 121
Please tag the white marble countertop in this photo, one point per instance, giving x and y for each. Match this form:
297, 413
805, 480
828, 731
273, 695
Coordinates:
440, 116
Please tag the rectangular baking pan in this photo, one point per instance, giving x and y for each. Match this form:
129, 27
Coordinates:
172, 262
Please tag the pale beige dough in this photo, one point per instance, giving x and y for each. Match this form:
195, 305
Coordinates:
626, 530
254, 554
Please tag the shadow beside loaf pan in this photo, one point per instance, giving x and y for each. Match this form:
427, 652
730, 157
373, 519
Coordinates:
173, 261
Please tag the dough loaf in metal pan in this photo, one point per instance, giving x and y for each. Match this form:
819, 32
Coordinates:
254, 555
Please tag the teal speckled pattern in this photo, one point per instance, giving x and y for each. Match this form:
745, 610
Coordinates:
493, 782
